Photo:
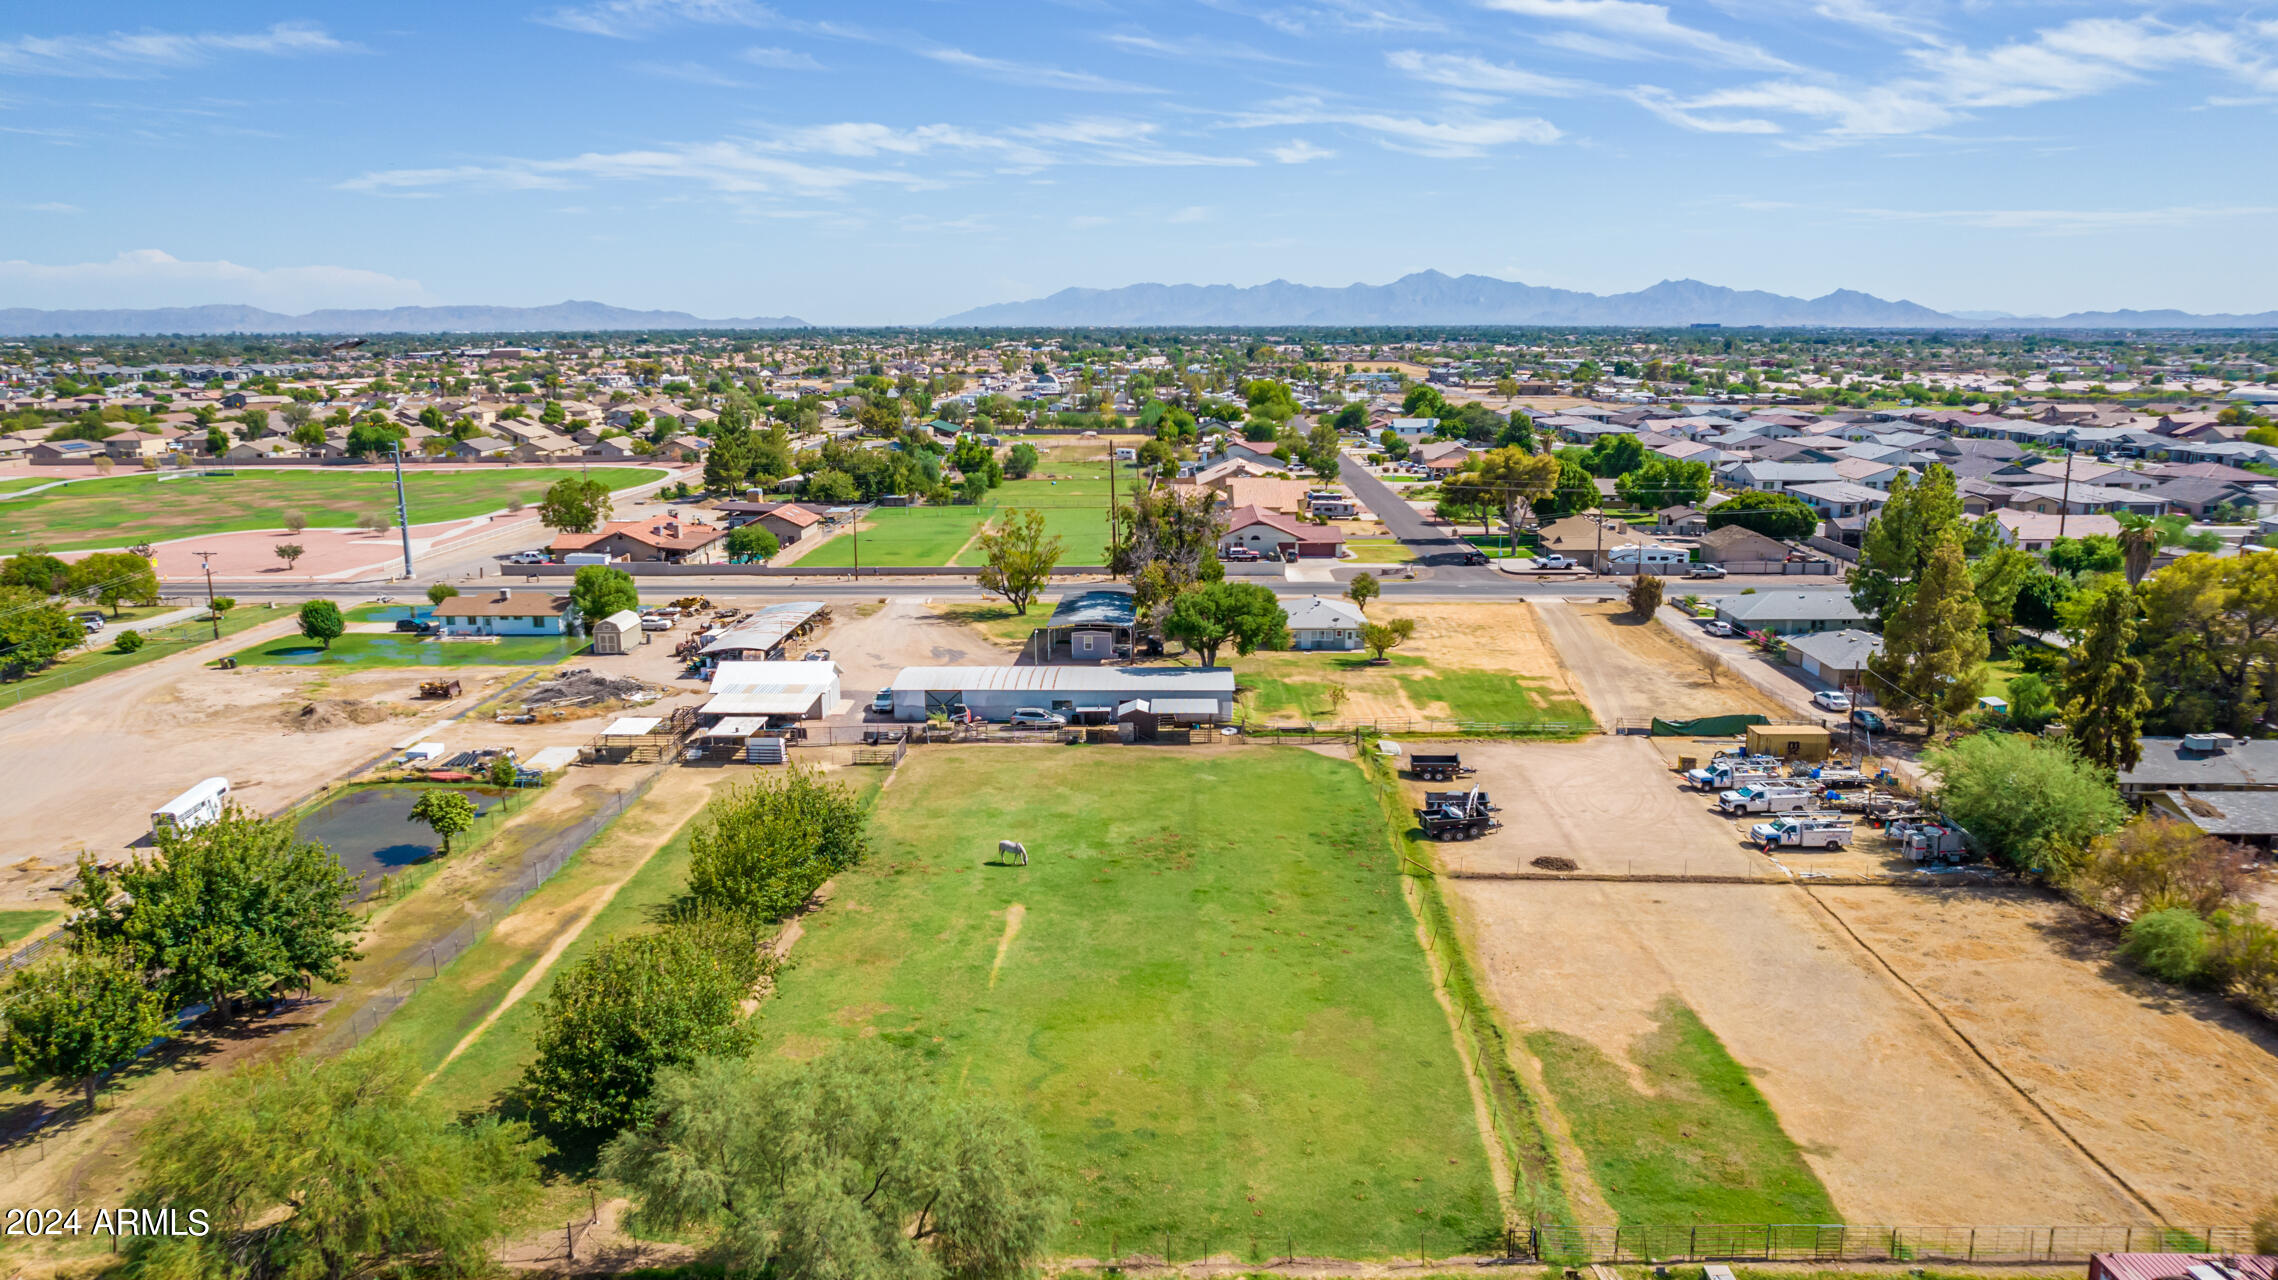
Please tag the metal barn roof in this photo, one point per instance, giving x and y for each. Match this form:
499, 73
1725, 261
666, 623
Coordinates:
766, 628
1102, 608
1148, 682
768, 688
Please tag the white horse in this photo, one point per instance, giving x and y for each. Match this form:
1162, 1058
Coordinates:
1012, 853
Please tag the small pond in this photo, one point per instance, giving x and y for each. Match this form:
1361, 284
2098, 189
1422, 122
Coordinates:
370, 831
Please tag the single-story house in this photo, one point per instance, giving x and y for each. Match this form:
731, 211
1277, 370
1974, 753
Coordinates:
1099, 625
507, 613
1837, 657
788, 521
2244, 817
1685, 522
994, 693
1836, 499
668, 541
2034, 531
1737, 544
1785, 613
1278, 536
1583, 538
1324, 622
2202, 762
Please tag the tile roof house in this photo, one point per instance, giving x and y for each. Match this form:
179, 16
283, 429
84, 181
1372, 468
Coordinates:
669, 541
1279, 536
2034, 531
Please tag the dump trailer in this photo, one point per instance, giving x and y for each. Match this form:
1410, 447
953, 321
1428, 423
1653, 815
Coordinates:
1464, 819
1439, 768
1803, 831
1475, 796
1765, 798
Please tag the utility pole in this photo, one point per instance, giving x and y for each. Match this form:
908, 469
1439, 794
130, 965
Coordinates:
1111, 508
2065, 506
402, 511
205, 562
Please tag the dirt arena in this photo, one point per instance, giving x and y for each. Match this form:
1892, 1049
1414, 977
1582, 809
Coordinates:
1631, 670
2176, 1092
1898, 1119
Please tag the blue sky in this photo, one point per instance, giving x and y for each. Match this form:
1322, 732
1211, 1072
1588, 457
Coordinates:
890, 162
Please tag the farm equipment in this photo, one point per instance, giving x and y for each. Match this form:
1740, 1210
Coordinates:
439, 689
1462, 815
1439, 768
691, 604
1927, 841
1803, 831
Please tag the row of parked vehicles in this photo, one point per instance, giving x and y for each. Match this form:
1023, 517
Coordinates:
1798, 803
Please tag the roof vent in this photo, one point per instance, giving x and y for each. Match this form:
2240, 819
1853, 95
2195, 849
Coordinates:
2206, 742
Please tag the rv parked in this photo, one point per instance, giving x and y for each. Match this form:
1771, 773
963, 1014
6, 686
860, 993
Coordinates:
192, 809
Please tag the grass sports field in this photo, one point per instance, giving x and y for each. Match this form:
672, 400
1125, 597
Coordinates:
1069, 488
1205, 991
1294, 687
367, 649
138, 508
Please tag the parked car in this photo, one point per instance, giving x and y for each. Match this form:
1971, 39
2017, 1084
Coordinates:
1869, 721
1705, 571
1719, 627
882, 703
656, 622
414, 626
1833, 699
1240, 555
1473, 556
817, 655
1037, 717
527, 557
89, 622
1553, 561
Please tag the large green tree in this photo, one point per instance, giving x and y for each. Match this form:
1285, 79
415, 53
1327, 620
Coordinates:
112, 578
446, 812
2030, 803
321, 1169
1934, 646
34, 632
2210, 642
2104, 695
636, 1005
76, 1017
1242, 614
1167, 543
598, 591
574, 504
849, 1167
1017, 557
1900, 539
240, 907
1775, 515
322, 621
764, 849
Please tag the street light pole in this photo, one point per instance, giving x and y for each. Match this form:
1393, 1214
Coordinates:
402, 511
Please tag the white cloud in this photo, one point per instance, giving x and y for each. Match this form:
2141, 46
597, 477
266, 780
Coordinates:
781, 59
1645, 23
1684, 115
1299, 151
155, 278
1459, 71
690, 73
1188, 48
1452, 138
625, 19
126, 54
1029, 75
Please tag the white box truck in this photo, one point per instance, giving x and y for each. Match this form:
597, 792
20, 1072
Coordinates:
587, 557
1803, 831
192, 809
1764, 798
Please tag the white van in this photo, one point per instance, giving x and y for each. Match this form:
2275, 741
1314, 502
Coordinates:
192, 809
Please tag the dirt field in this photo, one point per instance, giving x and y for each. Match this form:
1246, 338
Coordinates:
2173, 1091
1628, 670
1609, 802
1899, 1121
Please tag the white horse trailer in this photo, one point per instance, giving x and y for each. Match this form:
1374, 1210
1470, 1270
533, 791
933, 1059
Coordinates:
194, 808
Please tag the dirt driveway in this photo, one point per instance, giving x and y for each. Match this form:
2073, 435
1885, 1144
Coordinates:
1898, 1119
1608, 802
2177, 1093
1631, 670
871, 650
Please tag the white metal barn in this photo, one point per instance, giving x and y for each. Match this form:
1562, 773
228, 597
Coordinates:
1079, 693
777, 691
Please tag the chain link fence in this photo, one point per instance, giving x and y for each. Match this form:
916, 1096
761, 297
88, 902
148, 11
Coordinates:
1806, 1242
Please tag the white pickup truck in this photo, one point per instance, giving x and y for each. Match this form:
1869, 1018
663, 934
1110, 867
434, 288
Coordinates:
1803, 831
1764, 798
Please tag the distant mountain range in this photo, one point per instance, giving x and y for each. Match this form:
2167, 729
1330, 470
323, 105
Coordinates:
26, 322
1432, 298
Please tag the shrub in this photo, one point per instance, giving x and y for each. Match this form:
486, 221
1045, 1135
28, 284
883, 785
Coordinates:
2169, 944
129, 641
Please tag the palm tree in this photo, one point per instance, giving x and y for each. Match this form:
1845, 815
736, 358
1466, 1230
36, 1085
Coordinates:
2139, 542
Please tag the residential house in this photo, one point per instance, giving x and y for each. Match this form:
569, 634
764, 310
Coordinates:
1790, 612
506, 613
1279, 536
1774, 477
2202, 762
1584, 539
475, 447
2080, 498
1837, 657
1685, 522
1267, 495
1839, 500
1734, 544
2034, 531
1324, 622
669, 541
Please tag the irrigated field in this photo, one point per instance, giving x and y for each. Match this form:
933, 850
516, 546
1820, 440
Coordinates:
1070, 487
1483, 662
152, 508
1205, 990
